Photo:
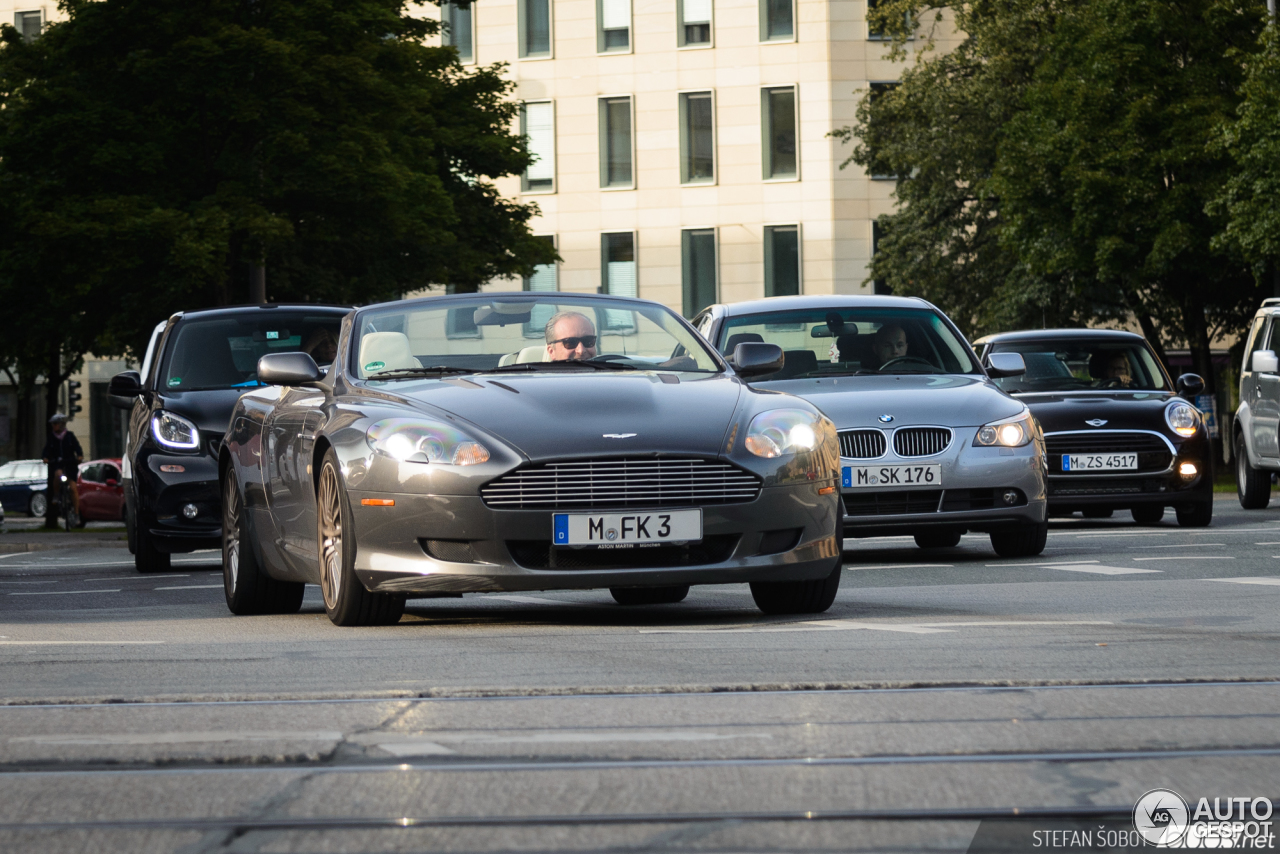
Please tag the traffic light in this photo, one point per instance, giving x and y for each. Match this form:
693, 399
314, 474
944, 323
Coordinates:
73, 399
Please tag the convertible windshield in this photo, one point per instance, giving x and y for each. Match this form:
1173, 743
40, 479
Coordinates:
520, 333
224, 352
824, 342
1073, 364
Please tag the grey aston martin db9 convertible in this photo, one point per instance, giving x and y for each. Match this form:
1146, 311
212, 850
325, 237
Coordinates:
522, 441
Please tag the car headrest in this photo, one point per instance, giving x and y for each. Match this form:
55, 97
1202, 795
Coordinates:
390, 348
741, 338
847, 344
799, 362
536, 353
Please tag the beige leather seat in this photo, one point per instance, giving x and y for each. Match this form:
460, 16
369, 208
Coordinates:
390, 348
536, 353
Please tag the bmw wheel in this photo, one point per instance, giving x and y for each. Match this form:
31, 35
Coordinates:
345, 600
39, 504
1253, 486
649, 595
248, 589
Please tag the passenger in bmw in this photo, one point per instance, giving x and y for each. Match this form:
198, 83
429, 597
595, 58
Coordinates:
570, 335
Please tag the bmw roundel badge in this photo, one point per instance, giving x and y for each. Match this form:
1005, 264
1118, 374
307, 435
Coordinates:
885, 419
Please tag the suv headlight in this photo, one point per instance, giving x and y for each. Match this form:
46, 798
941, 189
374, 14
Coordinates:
784, 431
174, 431
1182, 418
1008, 433
413, 440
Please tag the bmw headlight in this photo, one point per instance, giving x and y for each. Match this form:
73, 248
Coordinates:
415, 440
1182, 418
174, 431
784, 431
1008, 433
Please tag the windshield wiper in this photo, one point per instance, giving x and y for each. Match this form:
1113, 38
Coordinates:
434, 370
575, 363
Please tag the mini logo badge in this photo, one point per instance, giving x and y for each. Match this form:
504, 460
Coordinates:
1161, 816
619, 435
1096, 422
885, 419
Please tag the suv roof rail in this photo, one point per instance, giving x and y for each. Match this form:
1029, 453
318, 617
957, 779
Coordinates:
1271, 302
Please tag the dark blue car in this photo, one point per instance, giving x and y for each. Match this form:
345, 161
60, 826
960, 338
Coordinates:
23, 484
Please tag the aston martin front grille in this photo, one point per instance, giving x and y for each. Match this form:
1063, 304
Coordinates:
621, 483
862, 444
920, 441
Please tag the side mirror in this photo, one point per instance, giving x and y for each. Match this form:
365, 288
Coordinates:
1265, 362
290, 369
124, 388
1189, 385
112, 482
754, 358
1000, 365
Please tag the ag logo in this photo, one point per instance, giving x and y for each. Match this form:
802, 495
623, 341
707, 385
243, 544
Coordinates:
1161, 817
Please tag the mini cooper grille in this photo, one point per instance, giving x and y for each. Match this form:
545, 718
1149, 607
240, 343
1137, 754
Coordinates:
619, 483
862, 444
1153, 453
920, 441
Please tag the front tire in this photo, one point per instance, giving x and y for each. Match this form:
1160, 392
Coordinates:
345, 600
1024, 541
1253, 486
248, 589
941, 539
39, 504
1147, 514
146, 557
1196, 515
649, 595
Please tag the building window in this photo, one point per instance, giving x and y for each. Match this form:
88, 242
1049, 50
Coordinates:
781, 260
875, 33
778, 121
535, 28
777, 20
879, 90
698, 267
28, 24
877, 234
615, 142
618, 274
458, 31
614, 29
697, 138
546, 277
538, 123
695, 23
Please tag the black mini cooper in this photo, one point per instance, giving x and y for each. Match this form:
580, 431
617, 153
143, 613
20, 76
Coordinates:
197, 366
1118, 433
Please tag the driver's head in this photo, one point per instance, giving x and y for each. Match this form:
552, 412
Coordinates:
890, 342
1118, 367
570, 335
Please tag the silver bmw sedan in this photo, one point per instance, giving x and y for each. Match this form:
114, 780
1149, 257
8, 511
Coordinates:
929, 446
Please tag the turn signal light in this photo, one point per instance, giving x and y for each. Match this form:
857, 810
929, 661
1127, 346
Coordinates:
826, 490
378, 502
1187, 470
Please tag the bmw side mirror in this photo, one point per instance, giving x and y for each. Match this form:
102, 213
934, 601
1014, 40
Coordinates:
1000, 365
1189, 385
290, 369
124, 387
754, 358
1265, 362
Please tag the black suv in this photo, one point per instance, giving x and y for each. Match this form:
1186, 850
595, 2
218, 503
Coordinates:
197, 366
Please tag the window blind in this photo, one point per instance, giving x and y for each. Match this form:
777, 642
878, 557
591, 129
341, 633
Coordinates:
615, 14
697, 11
539, 125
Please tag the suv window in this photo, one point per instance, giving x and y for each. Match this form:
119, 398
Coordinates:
1260, 336
223, 352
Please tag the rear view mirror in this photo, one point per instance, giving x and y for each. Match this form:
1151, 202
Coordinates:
1265, 362
754, 358
290, 369
1001, 365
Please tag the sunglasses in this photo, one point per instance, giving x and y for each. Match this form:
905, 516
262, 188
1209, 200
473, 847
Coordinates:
588, 341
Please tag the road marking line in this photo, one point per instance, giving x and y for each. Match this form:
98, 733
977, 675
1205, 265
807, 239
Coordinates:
1188, 557
28, 582
1098, 569
1267, 544
1185, 546
177, 737
77, 643
1268, 581
856, 625
414, 748
1050, 563
900, 566
194, 587
61, 592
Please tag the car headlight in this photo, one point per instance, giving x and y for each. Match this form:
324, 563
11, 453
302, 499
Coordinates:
174, 431
1182, 418
1008, 433
413, 440
784, 431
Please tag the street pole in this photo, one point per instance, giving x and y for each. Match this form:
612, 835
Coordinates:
258, 284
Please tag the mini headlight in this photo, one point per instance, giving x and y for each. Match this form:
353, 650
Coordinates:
1182, 418
422, 441
783, 431
174, 431
1009, 433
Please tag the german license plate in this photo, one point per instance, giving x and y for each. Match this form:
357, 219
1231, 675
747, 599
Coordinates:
1099, 462
862, 477
611, 530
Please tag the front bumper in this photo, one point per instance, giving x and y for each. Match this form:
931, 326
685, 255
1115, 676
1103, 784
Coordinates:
161, 495
441, 544
970, 497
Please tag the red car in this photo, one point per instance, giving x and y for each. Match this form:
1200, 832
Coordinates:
101, 494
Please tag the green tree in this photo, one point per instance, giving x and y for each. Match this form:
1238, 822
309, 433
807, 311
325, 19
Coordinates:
154, 153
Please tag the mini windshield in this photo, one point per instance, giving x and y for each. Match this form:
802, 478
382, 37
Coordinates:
1067, 364
824, 342
223, 352
517, 333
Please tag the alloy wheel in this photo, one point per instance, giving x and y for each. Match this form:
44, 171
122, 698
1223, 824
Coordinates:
330, 537
231, 525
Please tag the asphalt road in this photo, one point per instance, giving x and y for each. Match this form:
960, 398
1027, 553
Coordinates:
944, 687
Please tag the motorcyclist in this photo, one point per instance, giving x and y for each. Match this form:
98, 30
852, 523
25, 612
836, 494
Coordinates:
63, 454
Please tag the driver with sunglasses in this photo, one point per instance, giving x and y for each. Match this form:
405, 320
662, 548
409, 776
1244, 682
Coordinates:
570, 335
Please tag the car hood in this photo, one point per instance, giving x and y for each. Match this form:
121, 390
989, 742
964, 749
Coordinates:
568, 415
210, 409
1062, 411
947, 400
